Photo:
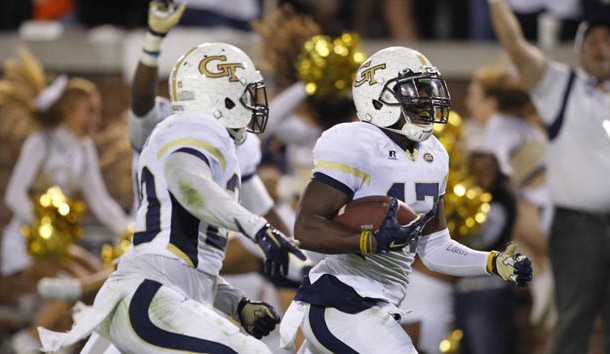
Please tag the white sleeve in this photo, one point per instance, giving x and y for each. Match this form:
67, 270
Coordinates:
548, 93
441, 254
340, 168
105, 209
282, 105
227, 298
190, 181
22, 177
254, 196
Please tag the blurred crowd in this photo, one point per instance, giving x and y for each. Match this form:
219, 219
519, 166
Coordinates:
405, 20
50, 135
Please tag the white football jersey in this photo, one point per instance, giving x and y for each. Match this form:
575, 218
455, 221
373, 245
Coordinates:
141, 127
163, 226
360, 158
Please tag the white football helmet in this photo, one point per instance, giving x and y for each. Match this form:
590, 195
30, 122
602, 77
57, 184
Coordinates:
400, 82
220, 79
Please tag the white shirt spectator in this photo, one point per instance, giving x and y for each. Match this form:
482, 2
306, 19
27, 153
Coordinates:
578, 162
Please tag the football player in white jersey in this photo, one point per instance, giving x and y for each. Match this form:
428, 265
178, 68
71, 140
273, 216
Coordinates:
162, 296
147, 110
350, 301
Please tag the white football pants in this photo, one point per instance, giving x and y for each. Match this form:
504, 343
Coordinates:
156, 319
372, 331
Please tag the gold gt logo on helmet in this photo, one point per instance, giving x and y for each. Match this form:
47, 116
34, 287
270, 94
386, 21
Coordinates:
227, 69
368, 75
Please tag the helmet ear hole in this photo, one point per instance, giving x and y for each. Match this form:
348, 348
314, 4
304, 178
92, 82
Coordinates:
377, 104
229, 103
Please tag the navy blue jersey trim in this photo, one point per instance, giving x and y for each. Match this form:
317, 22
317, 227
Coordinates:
196, 153
338, 185
148, 332
553, 129
323, 334
247, 177
153, 210
184, 231
328, 291
214, 239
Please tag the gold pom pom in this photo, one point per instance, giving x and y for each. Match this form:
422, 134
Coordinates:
327, 66
55, 226
466, 204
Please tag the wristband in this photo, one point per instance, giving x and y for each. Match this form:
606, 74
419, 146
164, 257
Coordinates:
155, 33
242, 303
366, 243
151, 50
492, 268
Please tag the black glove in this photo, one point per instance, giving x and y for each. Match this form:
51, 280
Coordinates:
511, 266
276, 248
257, 318
392, 236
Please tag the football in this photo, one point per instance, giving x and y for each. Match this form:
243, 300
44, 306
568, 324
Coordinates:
368, 213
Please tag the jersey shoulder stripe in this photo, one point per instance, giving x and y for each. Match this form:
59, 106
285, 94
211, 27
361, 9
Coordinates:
192, 130
191, 142
341, 167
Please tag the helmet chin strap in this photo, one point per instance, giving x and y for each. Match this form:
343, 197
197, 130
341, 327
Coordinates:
239, 135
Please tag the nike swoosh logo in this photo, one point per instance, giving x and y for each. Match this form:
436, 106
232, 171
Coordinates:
394, 244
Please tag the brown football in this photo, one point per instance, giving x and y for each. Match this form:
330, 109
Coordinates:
368, 213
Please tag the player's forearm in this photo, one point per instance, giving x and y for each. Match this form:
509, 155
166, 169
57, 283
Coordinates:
227, 298
162, 17
190, 182
319, 234
440, 253
143, 89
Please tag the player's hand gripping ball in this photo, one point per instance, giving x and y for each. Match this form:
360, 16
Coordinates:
386, 224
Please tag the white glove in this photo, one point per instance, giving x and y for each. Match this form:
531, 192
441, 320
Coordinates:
163, 16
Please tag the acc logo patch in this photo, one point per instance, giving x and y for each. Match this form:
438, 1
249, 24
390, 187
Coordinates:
428, 157
220, 70
368, 75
